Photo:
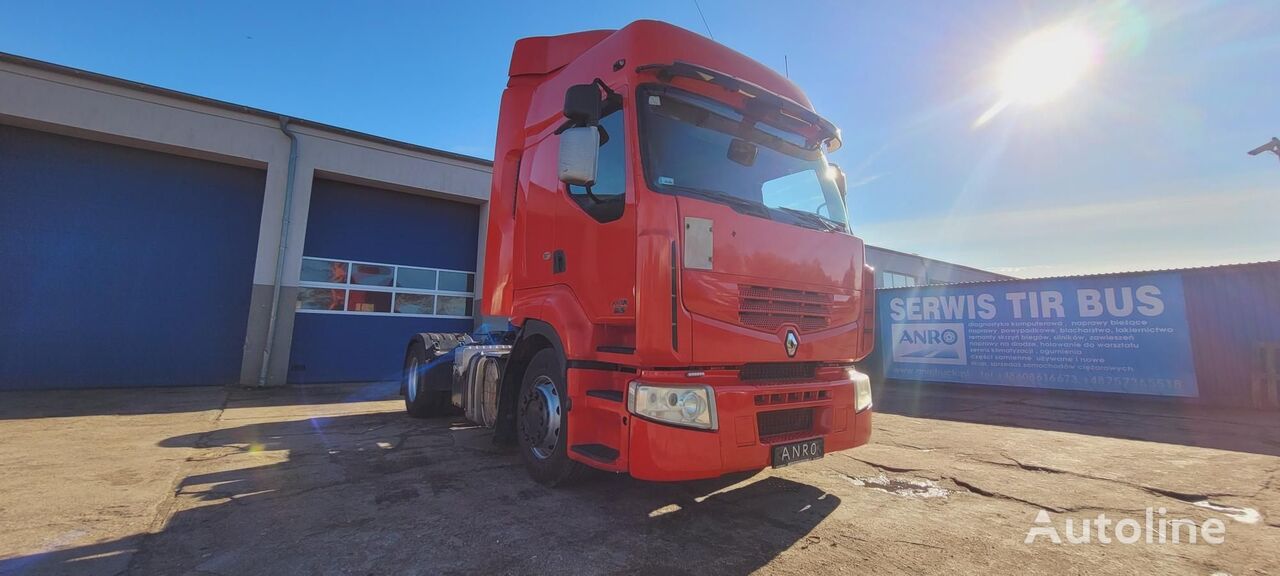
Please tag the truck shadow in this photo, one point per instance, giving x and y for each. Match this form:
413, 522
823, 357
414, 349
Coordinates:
28, 404
382, 493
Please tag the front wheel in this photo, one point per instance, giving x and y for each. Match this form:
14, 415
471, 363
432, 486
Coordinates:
542, 420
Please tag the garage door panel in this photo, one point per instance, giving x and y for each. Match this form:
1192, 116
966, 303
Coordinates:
125, 267
342, 348
378, 267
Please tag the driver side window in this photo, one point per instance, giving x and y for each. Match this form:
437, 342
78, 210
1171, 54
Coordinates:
606, 199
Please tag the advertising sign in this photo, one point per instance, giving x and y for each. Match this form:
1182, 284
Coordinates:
1123, 334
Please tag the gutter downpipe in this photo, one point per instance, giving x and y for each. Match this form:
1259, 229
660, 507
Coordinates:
285, 219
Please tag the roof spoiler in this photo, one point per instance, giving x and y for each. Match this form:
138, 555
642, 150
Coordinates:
759, 94
546, 54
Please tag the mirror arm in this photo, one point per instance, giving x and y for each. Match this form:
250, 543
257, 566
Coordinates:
611, 97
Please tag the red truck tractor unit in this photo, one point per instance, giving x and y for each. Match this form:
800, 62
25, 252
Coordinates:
671, 287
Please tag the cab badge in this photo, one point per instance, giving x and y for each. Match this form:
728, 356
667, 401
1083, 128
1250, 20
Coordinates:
792, 343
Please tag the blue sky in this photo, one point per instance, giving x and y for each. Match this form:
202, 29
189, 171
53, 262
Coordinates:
1142, 165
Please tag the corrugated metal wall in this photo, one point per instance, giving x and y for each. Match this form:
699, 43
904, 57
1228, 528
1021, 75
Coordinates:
1230, 310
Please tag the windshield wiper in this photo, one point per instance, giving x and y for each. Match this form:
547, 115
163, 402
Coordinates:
743, 205
827, 224
740, 204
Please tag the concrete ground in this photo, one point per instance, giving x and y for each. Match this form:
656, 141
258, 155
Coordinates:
338, 480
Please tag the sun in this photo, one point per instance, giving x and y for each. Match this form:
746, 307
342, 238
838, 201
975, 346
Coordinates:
1046, 64
1043, 67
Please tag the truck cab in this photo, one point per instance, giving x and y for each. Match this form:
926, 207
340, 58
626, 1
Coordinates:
671, 286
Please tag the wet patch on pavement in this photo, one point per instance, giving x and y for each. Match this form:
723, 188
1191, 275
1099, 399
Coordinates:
905, 487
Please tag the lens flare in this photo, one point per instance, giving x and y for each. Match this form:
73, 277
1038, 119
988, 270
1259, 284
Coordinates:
1042, 67
1046, 64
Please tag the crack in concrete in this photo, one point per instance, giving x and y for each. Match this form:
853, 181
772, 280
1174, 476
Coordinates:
1271, 478
966, 486
921, 544
235, 450
972, 488
1155, 490
883, 467
975, 489
908, 446
1186, 497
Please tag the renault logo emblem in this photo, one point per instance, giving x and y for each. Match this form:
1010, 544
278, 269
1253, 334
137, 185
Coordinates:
792, 343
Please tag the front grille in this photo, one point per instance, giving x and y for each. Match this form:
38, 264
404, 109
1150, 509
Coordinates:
791, 397
780, 422
778, 371
766, 308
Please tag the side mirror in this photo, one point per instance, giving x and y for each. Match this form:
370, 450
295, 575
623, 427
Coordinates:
582, 104
579, 152
838, 175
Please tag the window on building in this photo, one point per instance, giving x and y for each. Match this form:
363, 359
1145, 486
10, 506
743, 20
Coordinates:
453, 306
329, 299
331, 286
457, 281
372, 274
331, 271
896, 280
607, 198
416, 278
415, 303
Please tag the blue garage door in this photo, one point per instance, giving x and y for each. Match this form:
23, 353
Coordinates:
378, 267
122, 267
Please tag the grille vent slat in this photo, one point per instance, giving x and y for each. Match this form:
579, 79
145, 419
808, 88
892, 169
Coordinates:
767, 308
778, 371
783, 422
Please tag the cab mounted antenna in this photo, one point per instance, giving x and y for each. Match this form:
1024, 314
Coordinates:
704, 20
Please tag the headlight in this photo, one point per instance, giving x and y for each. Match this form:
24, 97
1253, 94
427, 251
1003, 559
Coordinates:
861, 390
692, 406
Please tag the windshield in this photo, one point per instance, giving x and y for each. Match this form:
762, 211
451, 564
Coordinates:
701, 147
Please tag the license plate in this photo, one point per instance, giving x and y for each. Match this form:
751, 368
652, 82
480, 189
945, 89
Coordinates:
788, 454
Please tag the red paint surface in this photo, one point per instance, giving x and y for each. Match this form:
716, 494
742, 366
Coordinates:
630, 259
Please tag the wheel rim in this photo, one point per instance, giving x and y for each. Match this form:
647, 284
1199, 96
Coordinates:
412, 380
540, 418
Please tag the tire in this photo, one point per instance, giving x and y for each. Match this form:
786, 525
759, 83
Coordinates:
419, 401
542, 423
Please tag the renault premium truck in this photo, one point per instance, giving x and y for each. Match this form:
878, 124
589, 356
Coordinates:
671, 288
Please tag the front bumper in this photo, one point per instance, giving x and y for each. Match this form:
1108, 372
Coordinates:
663, 452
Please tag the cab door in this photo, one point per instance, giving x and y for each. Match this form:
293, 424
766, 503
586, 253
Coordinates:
537, 202
595, 247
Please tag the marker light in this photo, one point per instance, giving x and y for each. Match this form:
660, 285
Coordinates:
691, 406
861, 390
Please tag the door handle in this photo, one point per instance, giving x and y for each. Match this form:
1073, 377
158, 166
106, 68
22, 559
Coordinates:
557, 262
